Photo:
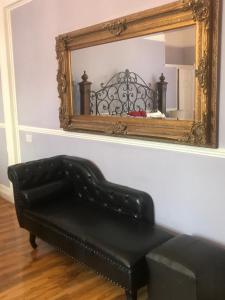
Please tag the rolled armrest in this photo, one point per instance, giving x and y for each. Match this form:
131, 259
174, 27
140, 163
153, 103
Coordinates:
44, 193
34, 180
129, 201
36, 173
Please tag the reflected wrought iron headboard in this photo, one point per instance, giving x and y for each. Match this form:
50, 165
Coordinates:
124, 92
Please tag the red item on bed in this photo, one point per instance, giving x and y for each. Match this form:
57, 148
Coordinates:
137, 114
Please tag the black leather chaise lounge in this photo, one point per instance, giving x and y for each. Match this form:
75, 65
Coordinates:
67, 202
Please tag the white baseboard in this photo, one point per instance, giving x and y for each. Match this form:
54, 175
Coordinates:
6, 193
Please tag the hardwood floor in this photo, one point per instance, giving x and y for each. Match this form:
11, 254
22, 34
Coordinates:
45, 274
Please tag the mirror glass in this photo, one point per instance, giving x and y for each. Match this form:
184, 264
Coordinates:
146, 77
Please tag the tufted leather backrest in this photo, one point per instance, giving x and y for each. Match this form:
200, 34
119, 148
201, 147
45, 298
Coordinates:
86, 182
90, 185
84, 176
126, 201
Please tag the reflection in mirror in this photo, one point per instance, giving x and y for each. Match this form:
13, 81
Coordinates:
149, 77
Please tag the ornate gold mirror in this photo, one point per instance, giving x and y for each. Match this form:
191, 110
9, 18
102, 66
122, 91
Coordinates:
153, 74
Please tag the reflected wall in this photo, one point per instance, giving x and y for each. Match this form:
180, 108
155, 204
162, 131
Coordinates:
171, 53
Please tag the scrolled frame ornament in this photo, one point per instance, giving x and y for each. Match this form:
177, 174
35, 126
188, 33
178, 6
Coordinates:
198, 133
116, 28
61, 47
119, 128
62, 75
202, 73
200, 10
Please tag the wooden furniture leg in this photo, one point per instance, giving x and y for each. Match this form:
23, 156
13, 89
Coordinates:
131, 295
32, 240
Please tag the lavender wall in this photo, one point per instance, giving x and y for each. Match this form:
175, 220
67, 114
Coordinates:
34, 48
188, 189
3, 159
1, 103
3, 151
180, 56
139, 55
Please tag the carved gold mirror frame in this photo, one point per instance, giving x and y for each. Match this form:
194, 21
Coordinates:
200, 132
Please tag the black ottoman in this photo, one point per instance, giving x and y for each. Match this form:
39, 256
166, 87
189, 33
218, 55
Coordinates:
186, 268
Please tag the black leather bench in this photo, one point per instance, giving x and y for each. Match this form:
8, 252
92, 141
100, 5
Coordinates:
187, 268
67, 202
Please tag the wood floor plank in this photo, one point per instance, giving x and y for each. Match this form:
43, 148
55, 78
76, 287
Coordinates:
44, 273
